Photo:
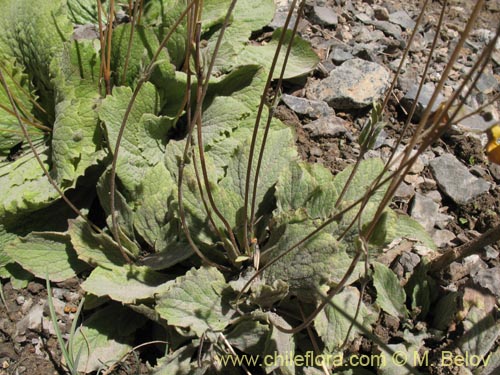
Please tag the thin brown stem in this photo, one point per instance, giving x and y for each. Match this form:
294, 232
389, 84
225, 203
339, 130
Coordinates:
253, 142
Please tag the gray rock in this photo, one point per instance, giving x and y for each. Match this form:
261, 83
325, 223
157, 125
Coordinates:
422, 101
325, 16
339, 54
330, 126
381, 13
443, 237
487, 83
455, 180
311, 108
388, 28
424, 210
408, 261
354, 84
402, 19
404, 191
489, 278
83, 32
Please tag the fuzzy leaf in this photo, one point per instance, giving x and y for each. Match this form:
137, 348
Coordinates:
94, 248
391, 296
334, 322
125, 284
105, 337
46, 254
249, 336
151, 215
143, 46
316, 263
301, 61
195, 301
145, 134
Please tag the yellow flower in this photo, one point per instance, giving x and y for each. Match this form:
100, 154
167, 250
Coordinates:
493, 145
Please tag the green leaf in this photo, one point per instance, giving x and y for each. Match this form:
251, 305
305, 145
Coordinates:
105, 337
178, 362
339, 319
301, 61
195, 301
46, 253
162, 15
307, 186
445, 310
126, 284
249, 336
317, 263
142, 49
150, 218
35, 36
391, 296
279, 343
145, 134
481, 332
83, 12
97, 249
24, 186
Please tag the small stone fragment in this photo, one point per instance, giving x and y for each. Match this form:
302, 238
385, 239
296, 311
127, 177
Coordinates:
402, 19
354, 84
489, 278
443, 237
424, 210
311, 108
455, 180
325, 16
330, 126
423, 100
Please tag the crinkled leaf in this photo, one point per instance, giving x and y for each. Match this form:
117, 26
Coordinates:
178, 362
76, 135
279, 343
444, 311
392, 225
24, 186
82, 12
97, 249
142, 49
125, 284
248, 16
46, 254
421, 289
249, 336
195, 301
18, 84
301, 61
145, 135
337, 319
307, 186
150, 219
391, 296
162, 15
481, 332
105, 337
35, 36
316, 263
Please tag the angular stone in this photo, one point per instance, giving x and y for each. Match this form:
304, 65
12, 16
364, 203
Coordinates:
443, 237
340, 54
455, 180
330, 126
325, 16
354, 84
402, 19
424, 210
423, 100
312, 108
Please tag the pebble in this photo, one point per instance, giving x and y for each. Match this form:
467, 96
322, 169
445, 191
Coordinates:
443, 237
354, 84
402, 19
20, 300
312, 108
330, 126
325, 16
380, 13
489, 278
423, 100
339, 54
455, 180
424, 210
